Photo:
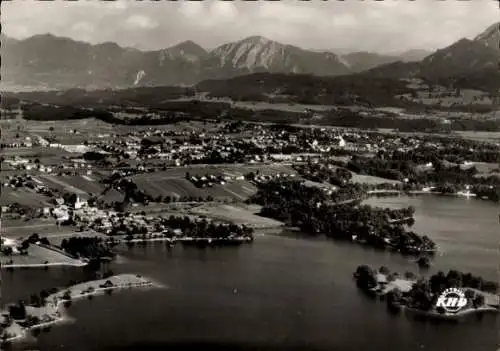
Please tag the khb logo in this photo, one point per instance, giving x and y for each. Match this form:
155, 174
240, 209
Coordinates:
452, 300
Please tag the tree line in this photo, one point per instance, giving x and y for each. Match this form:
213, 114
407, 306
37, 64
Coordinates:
315, 212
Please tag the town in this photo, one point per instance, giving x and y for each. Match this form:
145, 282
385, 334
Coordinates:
206, 180
73, 191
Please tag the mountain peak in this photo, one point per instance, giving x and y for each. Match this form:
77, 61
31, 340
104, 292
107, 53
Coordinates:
189, 46
491, 36
42, 58
187, 51
108, 45
257, 39
49, 36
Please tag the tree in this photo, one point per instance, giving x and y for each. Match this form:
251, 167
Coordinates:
25, 245
18, 311
67, 295
365, 277
35, 300
393, 299
384, 270
454, 278
438, 282
409, 275
43, 296
478, 301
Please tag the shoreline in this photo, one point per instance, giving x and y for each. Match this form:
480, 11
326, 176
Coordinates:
374, 193
54, 307
384, 287
42, 265
137, 239
239, 239
448, 316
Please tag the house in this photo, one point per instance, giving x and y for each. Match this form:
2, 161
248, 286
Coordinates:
61, 214
79, 203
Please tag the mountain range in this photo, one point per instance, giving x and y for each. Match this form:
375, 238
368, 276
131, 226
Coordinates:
57, 62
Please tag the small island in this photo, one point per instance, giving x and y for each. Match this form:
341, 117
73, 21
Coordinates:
48, 308
418, 295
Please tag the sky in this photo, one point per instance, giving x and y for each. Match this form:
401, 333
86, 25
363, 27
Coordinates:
376, 26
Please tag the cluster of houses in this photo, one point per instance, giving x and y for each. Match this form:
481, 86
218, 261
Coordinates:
28, 165
71, 167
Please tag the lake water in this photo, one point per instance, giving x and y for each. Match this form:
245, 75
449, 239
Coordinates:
279, 293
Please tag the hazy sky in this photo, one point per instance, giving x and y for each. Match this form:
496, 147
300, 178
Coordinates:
382, 26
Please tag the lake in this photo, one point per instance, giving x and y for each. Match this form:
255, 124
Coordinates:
279, 293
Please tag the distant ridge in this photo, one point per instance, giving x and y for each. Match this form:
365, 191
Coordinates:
48, 61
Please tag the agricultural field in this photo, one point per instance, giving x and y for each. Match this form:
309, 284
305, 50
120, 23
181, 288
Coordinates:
155, 185
447, 97
234, 170
82, 185
86, 183
43, 154
58, 237
487, 169
158, 184
240, 189
25, 229
84, 126
236, 214
270, 169
24, 197
289, 107
480, 136
172, 182
359, 178
38, 255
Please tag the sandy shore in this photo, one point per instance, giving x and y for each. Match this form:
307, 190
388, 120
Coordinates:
54, 312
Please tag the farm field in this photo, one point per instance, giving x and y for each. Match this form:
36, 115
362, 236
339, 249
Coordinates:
487, 169
481, 136
46, 156
8, 221
86, 183
236, 214
224, 169
359, 178
81, 185
159, 184
259, 105
241, 189
24, 230
38, 255
268, 169
84, 126
57, 238
172, 182
155, 184
25, 197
